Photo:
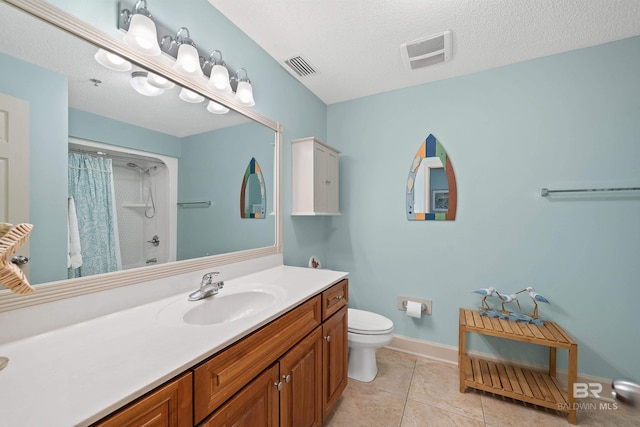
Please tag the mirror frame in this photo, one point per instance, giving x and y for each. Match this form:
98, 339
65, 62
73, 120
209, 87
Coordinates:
53, 291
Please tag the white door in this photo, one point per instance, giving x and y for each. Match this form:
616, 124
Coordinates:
14, 163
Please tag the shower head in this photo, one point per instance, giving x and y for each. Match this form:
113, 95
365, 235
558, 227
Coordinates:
133, 165
141, 169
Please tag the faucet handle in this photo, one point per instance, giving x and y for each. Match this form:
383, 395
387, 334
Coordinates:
207, 279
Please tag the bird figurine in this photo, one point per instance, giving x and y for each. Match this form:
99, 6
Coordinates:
489, 292
536, 297
507, 299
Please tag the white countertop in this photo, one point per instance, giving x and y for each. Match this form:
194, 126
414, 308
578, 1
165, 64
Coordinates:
78, 374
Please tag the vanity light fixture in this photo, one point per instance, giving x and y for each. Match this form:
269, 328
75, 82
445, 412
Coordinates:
219, 76
141, 34
190, 96
188, 60
159, 81
141, 85
215, 108
244, 91
112, 61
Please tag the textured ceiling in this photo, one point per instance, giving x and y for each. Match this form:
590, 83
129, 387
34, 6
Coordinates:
355, 44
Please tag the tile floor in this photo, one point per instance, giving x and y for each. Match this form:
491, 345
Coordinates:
412, 391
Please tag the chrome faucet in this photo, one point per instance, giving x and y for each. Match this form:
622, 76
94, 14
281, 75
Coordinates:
207, 287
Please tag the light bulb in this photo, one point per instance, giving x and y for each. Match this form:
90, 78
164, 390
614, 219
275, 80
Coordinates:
142, 35
190, 96
159, 81
188, 61
219, 79
215, 108
111, 61
244, 94
139, 83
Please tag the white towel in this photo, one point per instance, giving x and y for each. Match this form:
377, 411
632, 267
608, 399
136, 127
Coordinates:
74, 258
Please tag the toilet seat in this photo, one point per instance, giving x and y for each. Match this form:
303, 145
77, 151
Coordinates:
368, 323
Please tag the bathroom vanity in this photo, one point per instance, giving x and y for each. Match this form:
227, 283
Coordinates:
284, 365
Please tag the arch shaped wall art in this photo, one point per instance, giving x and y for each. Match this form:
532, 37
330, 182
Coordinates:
431, 190
253, 198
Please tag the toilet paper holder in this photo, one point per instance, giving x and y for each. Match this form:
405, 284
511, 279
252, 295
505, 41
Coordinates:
423, 306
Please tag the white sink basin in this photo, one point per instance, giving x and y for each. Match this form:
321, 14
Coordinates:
227, 308
232, 303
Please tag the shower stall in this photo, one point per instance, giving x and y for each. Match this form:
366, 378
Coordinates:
145, 198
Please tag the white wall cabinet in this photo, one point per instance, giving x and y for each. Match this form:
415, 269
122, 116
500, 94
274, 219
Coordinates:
315, 178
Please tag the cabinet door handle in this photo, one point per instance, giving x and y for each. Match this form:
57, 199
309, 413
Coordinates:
339, 297
278, 385
328, 338
286, 378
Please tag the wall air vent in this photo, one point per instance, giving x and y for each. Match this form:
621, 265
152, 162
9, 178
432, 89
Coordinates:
300, 66
427, 51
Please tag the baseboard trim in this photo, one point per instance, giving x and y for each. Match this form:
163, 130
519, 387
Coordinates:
449, 354
430, 350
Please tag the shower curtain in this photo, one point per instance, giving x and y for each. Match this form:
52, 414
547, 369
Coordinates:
91, 186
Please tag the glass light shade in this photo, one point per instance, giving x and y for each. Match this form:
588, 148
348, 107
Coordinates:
188, 61
215, 108
244, 94
142, 35
139, 83
159, 81
219, 79
112, 61
190, 96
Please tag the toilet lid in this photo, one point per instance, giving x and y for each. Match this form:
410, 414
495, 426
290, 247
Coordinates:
368, 323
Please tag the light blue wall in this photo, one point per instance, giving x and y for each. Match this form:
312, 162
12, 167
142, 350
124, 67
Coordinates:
561, 121
96, 128
47, 94
220, 159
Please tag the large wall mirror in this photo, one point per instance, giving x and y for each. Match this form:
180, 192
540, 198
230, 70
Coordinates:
171, 161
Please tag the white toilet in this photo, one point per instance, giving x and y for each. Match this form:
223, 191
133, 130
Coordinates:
366, 332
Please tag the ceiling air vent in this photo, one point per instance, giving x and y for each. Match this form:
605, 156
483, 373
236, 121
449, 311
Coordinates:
427, 51
300, 66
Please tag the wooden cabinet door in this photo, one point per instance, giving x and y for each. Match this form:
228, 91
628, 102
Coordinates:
219, 378
335, 359
301, 376
333, 195
254, 405
168, 406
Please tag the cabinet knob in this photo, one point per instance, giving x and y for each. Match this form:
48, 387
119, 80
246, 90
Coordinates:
328, 338
286, 378
278, 385
339, 297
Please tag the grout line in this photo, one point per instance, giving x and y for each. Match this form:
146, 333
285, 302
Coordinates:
406, 398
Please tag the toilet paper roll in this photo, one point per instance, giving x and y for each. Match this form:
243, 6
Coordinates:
414, 309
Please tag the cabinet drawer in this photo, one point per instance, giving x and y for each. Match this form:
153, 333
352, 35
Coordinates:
334, 298
224, 374
168, 405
